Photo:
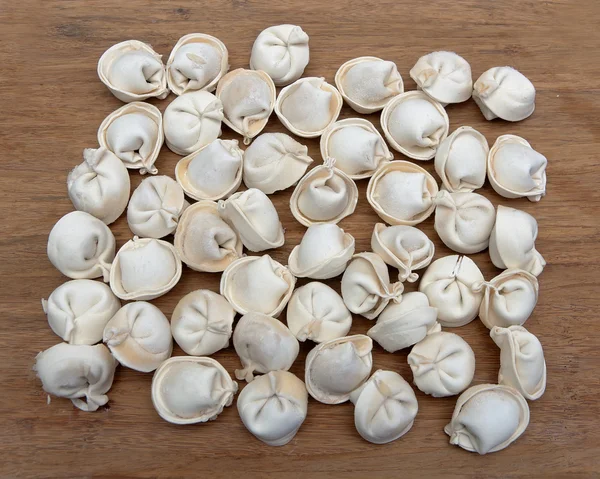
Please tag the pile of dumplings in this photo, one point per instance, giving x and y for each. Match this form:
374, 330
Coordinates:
213, 222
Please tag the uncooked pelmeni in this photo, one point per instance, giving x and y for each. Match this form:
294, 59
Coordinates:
257, 284
356, 146
461, 159
139, 336
308, 106
415, 124
337, 367
368, 83
516, 170
443, 364
317, 312
144, 269
512, 242
522, 363
263, 344
189, 390
488, 418
81, 246
273, 407
197, 62
81, 373
452, 285
385, 407
323, 252
282, 52
133, 71
402, 193
78, 310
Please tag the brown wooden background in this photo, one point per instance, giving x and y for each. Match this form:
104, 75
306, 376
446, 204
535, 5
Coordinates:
52, 103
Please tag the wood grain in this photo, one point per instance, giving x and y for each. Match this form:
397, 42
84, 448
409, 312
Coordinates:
52, 104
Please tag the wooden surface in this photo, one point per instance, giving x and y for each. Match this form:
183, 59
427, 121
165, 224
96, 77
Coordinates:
52, 104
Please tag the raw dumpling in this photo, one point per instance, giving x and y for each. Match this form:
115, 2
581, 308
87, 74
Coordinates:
281, 52
197, 62
505, 93
308, 106
443, 364
516, 170
402, 193
368, 83
488, 418
81, 246
336, 368
318, 313
77, 371
189, 390
323, 252
144, 269
257, 284
263, 344
139, 336
452, 285
273, 407
356, 146
78, 310
133, 71
415, 124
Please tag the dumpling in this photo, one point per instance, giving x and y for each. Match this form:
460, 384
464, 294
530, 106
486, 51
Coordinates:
488, 418
197, 62
324, 195
263, 344
273, 407
155, 207
213, 172
308, 106
257, 284
516, 170
144, 269
356, 146
452, 285
464, 221
415, 124
402, 193
282, 52
189, 390
403, 324
368, 83
323, 252
134, 133
461, 159
336, 368
366, 286
444, 76
505, 93
192, 121
81, 373
133, 71
318, 313
139, 336
248, 99
443, 364
81, 246
403, 247
522, 363
385, 407
255, 218
512, 242
274, 162
100, 185
78, 310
